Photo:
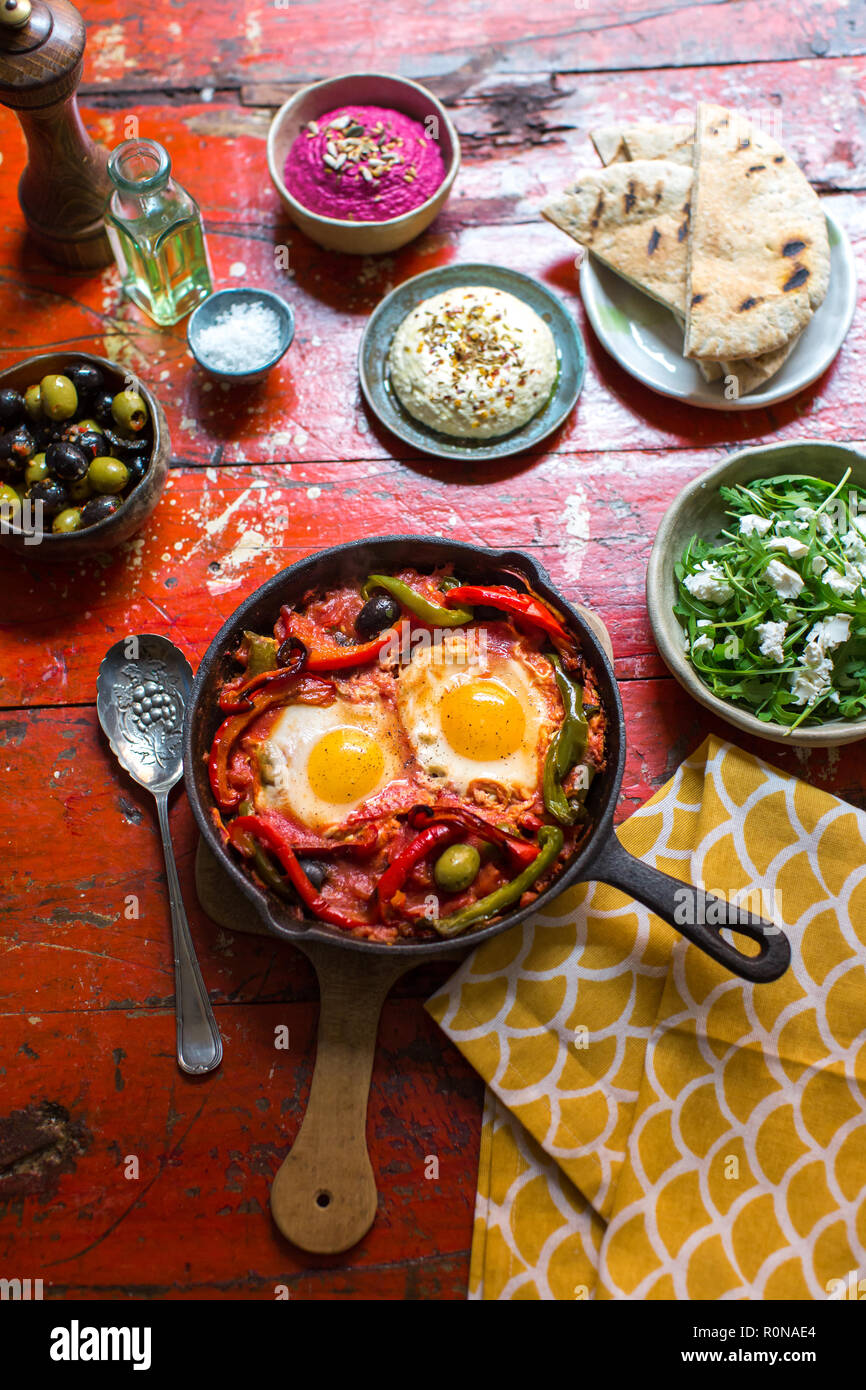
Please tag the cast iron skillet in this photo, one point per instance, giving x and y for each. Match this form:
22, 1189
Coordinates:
601, 857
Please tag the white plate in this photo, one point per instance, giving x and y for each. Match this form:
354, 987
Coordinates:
647, 341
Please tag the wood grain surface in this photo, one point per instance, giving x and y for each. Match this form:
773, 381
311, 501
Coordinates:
261, 477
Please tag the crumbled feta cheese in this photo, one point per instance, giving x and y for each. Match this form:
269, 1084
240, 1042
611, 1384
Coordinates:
702, 644
772, 636
819, 564
843, 584
810, 683
705, 622
812, 680
795, 548
752, 524
825, 524
827, 634
785, 581
708, 583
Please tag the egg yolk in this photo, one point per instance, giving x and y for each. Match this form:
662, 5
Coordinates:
481, 720
345, 765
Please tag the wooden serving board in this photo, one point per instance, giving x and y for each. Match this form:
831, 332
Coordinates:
323, 1197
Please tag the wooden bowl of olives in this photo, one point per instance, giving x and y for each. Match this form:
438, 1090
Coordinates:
84, 454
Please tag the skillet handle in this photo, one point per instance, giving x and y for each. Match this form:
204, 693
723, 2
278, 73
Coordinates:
685, 908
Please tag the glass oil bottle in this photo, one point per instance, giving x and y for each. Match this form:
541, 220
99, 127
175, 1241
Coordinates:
156, 234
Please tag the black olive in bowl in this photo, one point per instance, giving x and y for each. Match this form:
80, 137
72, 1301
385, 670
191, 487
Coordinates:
117, 517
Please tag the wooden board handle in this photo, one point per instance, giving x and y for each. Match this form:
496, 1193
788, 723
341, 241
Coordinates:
323, 1197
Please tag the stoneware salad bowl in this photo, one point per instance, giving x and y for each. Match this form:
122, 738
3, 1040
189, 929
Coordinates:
699, 510
599, 857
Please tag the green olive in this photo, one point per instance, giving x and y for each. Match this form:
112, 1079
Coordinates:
36, 470
80, 490
59, 397
33, 401
129, 411
107, 475
10, 503
456, 868
84, 426
67, 520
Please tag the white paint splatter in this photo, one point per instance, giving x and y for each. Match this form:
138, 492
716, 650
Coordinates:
575, 533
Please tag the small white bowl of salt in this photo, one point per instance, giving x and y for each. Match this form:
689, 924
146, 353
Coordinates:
238, 335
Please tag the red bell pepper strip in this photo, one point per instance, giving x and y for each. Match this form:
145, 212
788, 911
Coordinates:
525, 606
310, 897
396, 874
521, 851
307, 842
234, 699
323, 652
315, 691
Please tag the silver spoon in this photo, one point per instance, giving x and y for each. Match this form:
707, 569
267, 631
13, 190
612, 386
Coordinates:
141, 694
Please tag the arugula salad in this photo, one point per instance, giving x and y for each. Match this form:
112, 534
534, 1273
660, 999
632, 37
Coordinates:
774, 611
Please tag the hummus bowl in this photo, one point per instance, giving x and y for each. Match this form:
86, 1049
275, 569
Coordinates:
374, 360
362, 89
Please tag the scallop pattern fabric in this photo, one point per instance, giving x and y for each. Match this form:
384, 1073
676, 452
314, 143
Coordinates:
656, 1128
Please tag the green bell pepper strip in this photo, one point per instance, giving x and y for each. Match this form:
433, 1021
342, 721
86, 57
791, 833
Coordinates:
431, 613
550, 842
261, 654
567, 748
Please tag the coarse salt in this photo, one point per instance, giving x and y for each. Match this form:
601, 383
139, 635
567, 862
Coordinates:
242, 338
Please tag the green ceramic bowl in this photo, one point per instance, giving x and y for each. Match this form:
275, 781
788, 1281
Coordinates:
700, 511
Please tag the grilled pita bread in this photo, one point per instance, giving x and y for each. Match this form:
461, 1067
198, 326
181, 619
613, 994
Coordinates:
609, 144
759, 256
676, 142
635, 218
656, 140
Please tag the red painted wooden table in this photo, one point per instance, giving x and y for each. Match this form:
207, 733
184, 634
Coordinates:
261, 477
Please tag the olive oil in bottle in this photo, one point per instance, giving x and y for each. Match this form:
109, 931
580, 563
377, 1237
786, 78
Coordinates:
156, 234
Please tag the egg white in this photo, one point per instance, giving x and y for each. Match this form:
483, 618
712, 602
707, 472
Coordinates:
433, 673
285, 755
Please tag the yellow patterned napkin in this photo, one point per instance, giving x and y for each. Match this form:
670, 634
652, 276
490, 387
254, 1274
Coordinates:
655, 1128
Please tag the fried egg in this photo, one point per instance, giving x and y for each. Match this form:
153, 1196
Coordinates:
320, 762
476, 715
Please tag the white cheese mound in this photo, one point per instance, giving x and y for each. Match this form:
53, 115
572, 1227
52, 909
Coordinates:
785, 581
751, 525
708, 583
704, 643
772, 636
795, 548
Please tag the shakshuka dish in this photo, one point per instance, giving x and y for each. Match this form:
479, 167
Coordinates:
408, 755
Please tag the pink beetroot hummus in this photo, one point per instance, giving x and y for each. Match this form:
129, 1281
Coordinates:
364, 164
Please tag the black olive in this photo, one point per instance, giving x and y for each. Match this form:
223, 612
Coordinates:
66, 461
51, 493
127, 443
137, 467
87, 379
100, 407
98, 508
11, 406
17, 446
315, 871
292, 653
90, 442
380, 611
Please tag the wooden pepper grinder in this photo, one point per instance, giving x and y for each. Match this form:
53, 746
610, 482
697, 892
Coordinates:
65, 186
